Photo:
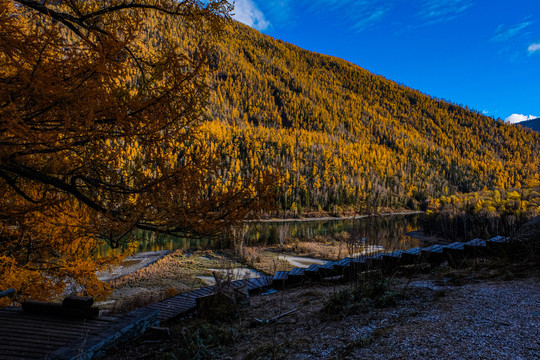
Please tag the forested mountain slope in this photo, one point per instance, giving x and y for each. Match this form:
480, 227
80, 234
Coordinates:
343, 135
531, 124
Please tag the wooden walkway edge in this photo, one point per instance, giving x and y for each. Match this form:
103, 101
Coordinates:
123, 329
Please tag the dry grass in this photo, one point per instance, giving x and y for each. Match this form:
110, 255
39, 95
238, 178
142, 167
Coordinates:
178, 272
173, 274
264, 259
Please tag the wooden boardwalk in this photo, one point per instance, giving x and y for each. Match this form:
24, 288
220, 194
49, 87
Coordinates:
32, 337
183, 304
28, 336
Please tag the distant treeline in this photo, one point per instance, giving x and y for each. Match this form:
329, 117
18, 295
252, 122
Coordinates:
481, 214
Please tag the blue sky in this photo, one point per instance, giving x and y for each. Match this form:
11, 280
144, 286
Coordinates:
481, 53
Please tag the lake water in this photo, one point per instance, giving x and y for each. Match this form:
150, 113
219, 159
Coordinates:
386, 231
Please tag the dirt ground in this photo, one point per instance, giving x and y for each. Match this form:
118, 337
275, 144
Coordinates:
485, 309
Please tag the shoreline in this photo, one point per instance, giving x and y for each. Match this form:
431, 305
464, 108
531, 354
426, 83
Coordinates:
331, 218
427, 239
133, 264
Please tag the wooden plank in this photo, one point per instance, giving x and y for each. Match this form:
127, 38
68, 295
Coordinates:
413, 251
38, 338
499, 239
170, 313
21, 354
475, 247
280, 278
297, 271
454, 252
359, 259
43, 332
475, 242
176, 305
250, 284
391, 260
166, 306
257, 283
19, 314
455, 245
237, 284
396, 254
296, 276
13, 357
51, 326
328, 265
328, 269
312, 272
410, 256
207, 290
433, 254
433, 249
32, 345
125, 328
267, 280
41, 336
344, 262
198, 293
280, 275
313, 267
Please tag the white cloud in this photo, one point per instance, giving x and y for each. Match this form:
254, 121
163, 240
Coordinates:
503, 33
357, 14
534, 47
247, 12
436, 11
516, 118
369, 18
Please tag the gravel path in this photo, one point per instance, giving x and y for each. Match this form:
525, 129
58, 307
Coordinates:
496, 320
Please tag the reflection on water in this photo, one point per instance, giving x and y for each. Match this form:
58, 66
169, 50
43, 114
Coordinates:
386, 231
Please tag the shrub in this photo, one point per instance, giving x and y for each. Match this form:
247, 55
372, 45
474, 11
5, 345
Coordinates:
375, 294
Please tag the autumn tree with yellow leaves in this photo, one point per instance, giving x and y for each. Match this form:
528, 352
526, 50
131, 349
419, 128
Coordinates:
100, 135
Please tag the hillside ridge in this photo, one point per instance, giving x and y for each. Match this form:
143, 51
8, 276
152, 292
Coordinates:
342, 135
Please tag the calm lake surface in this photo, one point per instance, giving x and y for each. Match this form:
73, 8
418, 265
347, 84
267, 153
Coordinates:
387, 231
